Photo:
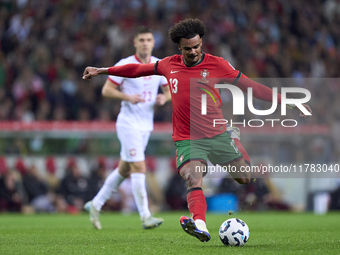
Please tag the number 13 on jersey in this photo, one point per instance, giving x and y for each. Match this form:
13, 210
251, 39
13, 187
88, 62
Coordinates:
173, 85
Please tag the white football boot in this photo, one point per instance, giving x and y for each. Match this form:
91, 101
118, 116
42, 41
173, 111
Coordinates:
152, 222
195, 228
94, 215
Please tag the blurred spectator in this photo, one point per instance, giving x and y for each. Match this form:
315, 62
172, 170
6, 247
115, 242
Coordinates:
59, 113
97, 178
43, 110
176, 191
28, 86
6, 104
3, 166
21, 167
20, 25
69, 87
335, 198
10, 198
52, 179
37, 191
73, 187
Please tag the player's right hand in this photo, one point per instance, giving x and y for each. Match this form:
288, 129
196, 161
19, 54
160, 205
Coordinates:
160, 99
134, 99
90, 72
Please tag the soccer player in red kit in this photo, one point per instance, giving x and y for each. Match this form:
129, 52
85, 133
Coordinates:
195, 137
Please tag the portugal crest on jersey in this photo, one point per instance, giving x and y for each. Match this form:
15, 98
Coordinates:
204, 75
181, 158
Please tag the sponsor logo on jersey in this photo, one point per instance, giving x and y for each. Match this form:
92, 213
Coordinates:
172, 71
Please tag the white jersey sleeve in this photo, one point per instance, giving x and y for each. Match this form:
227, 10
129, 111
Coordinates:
117, 79
164, 81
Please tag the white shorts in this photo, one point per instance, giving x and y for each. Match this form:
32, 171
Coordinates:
133, 143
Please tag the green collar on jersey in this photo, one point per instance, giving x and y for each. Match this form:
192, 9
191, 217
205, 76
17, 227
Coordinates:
199, 62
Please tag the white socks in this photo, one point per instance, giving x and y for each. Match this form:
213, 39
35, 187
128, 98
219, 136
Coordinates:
140, 195
110, 186
201, 225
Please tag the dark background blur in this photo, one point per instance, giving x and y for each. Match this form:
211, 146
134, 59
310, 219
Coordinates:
45, 46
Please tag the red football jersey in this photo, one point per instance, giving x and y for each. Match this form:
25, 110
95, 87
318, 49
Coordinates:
187, 84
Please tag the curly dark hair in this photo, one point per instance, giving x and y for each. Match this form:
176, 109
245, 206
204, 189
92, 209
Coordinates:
187, 29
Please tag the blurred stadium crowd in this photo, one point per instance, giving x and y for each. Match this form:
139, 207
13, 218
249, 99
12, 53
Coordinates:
45, 46
25, 188
62, 185
57, 185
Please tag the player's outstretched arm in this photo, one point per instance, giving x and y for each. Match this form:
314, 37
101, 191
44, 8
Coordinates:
128, 71
264, 93
90, 72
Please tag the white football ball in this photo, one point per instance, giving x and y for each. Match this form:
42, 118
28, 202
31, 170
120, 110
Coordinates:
234, 232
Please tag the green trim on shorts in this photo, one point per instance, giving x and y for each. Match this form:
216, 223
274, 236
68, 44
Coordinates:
220, 149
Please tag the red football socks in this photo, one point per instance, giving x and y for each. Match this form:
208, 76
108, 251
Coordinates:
242, 150
197, 204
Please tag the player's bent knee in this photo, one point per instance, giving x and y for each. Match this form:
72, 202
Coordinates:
191, 180
138, 167
193, 183
246, 180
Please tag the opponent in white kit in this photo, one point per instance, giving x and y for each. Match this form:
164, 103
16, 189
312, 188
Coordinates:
134, 124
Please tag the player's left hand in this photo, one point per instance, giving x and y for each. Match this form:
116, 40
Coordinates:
160, 99
301, 113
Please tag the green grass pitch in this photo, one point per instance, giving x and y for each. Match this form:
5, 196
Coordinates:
270, 233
